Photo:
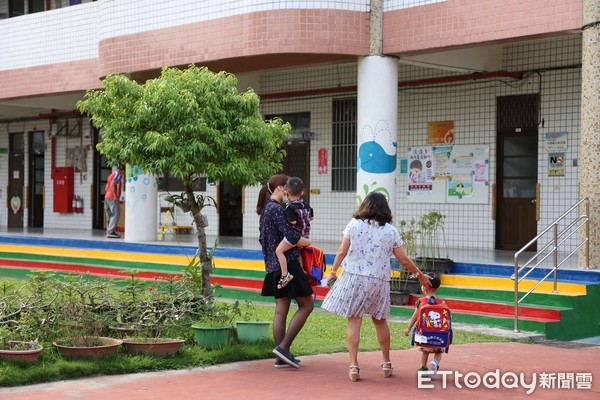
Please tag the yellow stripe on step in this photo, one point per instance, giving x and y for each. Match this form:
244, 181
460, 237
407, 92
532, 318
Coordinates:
128, 256
495, 283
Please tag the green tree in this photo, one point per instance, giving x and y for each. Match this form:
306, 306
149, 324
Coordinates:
191, 123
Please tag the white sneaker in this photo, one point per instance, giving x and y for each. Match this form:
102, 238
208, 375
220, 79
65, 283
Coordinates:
433, 368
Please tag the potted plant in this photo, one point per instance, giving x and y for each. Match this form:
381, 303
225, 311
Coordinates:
213, 328
433, 255
250, 329
158, 309
83, 318
14, 349
401, 283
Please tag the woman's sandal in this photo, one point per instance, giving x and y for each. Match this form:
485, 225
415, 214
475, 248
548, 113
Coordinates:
354, 373
284, 280
387, 369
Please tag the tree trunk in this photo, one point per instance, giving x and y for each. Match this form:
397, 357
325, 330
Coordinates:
206, 263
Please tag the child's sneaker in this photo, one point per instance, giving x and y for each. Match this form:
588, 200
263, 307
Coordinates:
433, 368
284, 280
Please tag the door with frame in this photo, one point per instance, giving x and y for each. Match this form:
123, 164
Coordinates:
297, 163
16, 171
101, 173
517, 194
35, 197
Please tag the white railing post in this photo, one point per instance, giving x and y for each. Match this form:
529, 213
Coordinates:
555, 290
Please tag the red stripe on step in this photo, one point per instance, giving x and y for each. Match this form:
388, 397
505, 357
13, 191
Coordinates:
234, 283
498, 309
80, 269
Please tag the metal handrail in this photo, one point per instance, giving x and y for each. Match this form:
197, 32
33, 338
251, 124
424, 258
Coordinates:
582, 220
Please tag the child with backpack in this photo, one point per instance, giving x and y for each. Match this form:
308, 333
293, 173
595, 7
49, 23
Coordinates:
433, 330
299, 214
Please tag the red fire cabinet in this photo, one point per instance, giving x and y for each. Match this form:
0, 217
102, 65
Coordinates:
63, 189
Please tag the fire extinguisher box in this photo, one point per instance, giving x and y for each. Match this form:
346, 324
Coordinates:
63, 189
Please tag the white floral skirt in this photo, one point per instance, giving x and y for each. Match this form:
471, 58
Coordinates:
358, 296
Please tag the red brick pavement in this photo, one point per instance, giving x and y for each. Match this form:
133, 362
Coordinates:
325, 377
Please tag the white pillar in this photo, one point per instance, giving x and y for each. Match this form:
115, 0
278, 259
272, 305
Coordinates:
140, 206
377, 122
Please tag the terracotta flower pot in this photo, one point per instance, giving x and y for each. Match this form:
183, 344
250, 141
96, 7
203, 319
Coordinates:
89, 347
13, 354
153, 346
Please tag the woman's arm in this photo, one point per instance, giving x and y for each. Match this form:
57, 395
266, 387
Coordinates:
339, 257
410, 265
291, 235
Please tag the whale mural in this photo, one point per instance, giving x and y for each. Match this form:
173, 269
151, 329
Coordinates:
372, 158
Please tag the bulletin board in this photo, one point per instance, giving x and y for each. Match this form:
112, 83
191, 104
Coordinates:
474, 161
448, 174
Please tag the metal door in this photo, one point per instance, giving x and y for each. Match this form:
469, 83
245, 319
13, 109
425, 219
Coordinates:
36, 179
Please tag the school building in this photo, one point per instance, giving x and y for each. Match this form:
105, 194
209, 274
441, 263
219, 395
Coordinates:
487, 111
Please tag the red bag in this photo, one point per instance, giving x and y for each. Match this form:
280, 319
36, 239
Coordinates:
313, 262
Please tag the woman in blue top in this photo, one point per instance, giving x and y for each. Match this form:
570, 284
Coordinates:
274, 228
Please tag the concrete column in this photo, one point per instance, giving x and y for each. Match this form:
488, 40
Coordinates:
141, 194
377, 121
589, 174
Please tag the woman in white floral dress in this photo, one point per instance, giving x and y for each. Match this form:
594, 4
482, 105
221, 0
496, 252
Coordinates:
363, 289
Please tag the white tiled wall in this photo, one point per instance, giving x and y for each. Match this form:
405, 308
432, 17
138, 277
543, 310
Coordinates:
56, 36
470, 105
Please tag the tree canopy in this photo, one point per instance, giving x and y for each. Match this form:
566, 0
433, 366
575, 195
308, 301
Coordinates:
188, 122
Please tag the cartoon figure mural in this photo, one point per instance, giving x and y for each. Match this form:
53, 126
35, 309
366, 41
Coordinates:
415, 171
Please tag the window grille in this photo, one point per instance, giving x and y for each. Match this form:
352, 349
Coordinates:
343, 163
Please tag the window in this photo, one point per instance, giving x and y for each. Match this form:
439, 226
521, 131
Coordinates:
343, 163
17, 7
170, 184
300, 123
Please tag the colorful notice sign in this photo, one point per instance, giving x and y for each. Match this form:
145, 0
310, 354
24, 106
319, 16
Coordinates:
443, 165
440, 132
556, 141
420, 170
556, 164
461, 186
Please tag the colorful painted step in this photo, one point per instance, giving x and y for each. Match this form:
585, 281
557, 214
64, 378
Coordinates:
480, 294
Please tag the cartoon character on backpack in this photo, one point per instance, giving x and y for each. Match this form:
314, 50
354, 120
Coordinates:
432, 321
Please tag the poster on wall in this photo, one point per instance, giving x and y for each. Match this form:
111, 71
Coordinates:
556, 142
442, 164
440, 132
556, 164
420, 170
323, 166
460, 185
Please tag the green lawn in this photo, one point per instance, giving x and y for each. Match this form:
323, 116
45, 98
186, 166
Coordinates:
323, 333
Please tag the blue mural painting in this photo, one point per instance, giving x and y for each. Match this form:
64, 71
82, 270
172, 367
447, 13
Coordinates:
372, 158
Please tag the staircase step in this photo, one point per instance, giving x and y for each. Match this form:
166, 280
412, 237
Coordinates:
507, 296
503, 283
497, 308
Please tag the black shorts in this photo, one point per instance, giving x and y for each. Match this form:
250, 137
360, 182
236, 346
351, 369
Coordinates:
298, 287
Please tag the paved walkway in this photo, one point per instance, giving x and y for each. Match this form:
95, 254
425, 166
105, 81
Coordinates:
325, 377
